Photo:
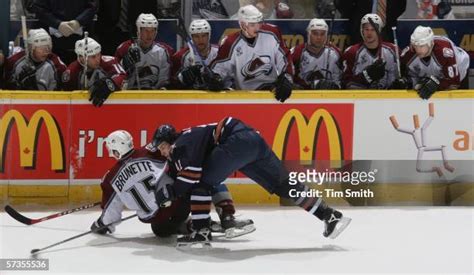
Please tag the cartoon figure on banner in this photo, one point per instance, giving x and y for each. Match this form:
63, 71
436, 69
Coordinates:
420, 134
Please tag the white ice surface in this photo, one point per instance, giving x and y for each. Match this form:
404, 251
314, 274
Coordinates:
288, 240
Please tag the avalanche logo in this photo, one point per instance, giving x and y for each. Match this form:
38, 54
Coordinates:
257, 66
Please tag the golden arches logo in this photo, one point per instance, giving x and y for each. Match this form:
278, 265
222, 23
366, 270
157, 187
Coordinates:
28, 133
308, 132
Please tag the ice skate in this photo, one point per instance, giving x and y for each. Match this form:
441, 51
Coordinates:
334, 224
197, 239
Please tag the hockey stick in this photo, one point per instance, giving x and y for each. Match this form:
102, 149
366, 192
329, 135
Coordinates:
395, 41
25, 36
137, 77
379, 46
28, 221
86, 38
37, 250
328, 42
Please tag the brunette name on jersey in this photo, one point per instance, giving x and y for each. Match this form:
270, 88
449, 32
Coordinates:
130, 170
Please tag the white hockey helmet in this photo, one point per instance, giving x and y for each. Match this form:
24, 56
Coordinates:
120, 141
39, 38
90, 48
317, 24
422, 36
146, 20
199, 26
375, 18
249, 14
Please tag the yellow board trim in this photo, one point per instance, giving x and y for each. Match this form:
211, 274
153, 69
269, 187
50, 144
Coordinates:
233, 95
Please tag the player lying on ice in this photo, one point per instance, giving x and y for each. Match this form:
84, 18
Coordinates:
204, 156
134, 181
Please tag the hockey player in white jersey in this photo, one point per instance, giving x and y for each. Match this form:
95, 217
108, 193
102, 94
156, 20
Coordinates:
35, 68
133, 183
187, 65
317, 63
147, 62
370, 64
434, 63
255, 58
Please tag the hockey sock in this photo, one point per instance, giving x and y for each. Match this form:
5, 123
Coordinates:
200, 208
314, 205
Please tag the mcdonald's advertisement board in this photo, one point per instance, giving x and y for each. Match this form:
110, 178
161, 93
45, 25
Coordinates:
57, 140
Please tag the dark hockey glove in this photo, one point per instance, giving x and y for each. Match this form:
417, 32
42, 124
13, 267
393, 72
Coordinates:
400, 84
189, 75
98, 224
324, 84
375, 71
165, 196
213, 81
131, 57
427, 87
283, 87
27, 78
100, 91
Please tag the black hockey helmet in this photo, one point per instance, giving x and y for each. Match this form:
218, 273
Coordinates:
166, 132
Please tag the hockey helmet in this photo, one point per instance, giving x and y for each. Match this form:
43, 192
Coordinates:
375, 19
39, 38
119, 141
250, 14
199, 26
146, 20
90, 48
317, 24
165, 132
422, 36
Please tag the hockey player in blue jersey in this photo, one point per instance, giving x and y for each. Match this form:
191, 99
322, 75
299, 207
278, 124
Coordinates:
204, 156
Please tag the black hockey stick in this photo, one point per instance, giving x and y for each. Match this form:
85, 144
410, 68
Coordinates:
379, 36
37, 250
25, 220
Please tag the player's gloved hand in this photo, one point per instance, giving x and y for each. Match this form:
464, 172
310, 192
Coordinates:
189, 75
106, 229
214, 81
100, 91
427, 87
325, 84
74, 24
400, 84
283, 11
375, 71
131, 58
165, 196
283, 87
27, 78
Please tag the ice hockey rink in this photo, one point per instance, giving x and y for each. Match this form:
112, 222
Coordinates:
379, 240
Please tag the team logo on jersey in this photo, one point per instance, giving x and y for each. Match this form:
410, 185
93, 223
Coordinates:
257, 66
448, 53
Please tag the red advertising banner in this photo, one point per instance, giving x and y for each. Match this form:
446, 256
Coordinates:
66, 141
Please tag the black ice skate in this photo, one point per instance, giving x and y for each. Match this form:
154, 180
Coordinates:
334, 224
201, 238
234, 228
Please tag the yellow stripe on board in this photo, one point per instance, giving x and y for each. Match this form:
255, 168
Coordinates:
232, 95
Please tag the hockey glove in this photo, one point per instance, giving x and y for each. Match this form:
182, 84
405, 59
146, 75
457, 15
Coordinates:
214, 81
427, 87
27, 78
375, 71
283, 87
131, 58
100, 91
189, 75
400, 84
102, 231
324, 84
165, 196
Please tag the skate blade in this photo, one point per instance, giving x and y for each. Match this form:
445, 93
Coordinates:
340, 226
200, 246
235, 232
